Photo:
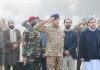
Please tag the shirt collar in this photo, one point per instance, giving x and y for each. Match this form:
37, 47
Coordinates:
92, 29
67, 29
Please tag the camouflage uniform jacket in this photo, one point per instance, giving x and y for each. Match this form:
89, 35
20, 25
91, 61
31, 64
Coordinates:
55, 39
32, 43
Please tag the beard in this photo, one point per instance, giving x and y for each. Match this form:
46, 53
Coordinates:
67, 27
94, 27
11, 27
33, 23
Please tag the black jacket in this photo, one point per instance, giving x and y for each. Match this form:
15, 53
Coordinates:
85, 45
73, 43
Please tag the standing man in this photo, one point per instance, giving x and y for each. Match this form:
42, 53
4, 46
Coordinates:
4, 23
1, 47
12, 40
32, 42
55, 40
84, 26
89, 46
70, 43
43, 57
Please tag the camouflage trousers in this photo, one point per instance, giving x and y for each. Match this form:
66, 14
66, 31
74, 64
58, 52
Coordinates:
54, 62
36, 66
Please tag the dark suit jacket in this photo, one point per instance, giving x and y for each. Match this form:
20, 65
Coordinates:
8, 44
73, 44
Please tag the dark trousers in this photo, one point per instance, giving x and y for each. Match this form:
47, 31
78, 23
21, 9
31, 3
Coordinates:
1, 58
37, 64
78, 64
10, 61
43, 63
21, 66
8, 67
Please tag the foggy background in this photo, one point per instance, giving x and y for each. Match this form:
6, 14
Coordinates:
20, 10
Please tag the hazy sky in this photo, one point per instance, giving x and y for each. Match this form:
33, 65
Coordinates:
45, 7
20, 10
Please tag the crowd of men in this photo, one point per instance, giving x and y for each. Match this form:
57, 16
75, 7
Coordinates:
45, 46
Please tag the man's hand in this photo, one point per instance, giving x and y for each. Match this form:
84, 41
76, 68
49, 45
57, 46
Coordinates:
49, 20
24, 60
44, 55
15, 46
66, 53
81, 59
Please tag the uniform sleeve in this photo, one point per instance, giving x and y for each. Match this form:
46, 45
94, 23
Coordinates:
24, 24
40, 27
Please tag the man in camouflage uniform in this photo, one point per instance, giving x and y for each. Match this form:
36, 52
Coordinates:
55, 42
32, 42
